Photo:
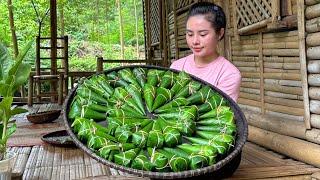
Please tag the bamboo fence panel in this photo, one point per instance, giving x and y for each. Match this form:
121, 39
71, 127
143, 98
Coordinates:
315, 121
314, 93
315, 106
314, 66
283, 82
313, 11
314, 79
313, 25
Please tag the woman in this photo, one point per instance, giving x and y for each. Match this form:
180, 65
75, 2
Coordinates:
206, 23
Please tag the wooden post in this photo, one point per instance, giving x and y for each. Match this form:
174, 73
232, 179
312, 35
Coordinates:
30, 90
38, 70
99, 64
261, 72
303, 62
163, 33
65, 65
53, 33
175, 29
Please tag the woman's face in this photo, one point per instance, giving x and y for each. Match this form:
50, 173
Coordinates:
202, 39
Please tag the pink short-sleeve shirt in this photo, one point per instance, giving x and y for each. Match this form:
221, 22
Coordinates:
221, 73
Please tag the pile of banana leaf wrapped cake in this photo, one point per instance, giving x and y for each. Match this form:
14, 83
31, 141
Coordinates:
152, 119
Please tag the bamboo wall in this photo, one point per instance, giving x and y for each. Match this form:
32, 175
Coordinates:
312, 27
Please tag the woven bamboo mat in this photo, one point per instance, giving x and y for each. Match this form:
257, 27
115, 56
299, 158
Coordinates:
29, 134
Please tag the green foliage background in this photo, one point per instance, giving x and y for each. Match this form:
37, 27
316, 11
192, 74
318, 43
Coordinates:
92, 27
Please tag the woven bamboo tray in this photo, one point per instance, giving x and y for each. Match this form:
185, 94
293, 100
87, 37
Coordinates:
43, 117
221, 169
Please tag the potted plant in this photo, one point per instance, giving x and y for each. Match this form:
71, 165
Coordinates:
13, 73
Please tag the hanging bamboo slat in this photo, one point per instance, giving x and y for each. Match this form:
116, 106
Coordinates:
281, 59
314, 66
313, 52
250, 96
283, 95
246, 64
282, 65
313, 39
285, 76
250, 75
280, 34
284, 115
285, 109
249, 90
246, 53
283, 89
249, 69
276, 124
281, 52
252, 80
284, 102
314, 93
315, 106
283, 82
313, 11
290, 146
281, 45
250, 85
250, 108
313, 135
281, 39
249, 58
314, 79
270, 70
315, 121
249, 102
313, 25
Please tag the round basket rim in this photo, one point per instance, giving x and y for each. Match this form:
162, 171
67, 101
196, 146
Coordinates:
241, 136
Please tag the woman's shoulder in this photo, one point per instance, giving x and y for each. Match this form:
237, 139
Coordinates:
178, 64
228, 66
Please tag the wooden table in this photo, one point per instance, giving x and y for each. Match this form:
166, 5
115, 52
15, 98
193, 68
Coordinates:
49, 162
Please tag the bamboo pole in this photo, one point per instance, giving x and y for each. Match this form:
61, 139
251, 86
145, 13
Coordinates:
313, 39
249, 69
249, 102
282, 65
276, 124
246, 64
281, 45
313, 52
252, 80
250, 75
281, 39
250, 85
315, 121
253, 27
293, 147
250, 96
313, 135
285, 116
313, 25
280, 34
311, 2
314, 79
314, 93
245, 53
274, 59
313, 11
287, 71
249, 90
248, 59
314, 66
315, 106
250, 108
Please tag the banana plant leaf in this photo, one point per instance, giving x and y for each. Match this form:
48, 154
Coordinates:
225, 129
91, 95
135, 92
201, 96
182, 80
108, 151
216, 112
168, 79
180, 113
178, 102
223, 119
142, 162
196, 161
176, 163
221, 147
163, 95
127, 75
95, 87
122, 113
140, 74
205, 150
213, 102
191, 88
97, 142
75, 109
155, 137
103, 82
123, 134
89, 113
115, 80
154, 76
229, 139
159, 160
126, 158
140, 138
172, 137
149, 94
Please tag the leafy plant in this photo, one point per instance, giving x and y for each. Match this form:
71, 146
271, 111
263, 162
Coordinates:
13, 73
